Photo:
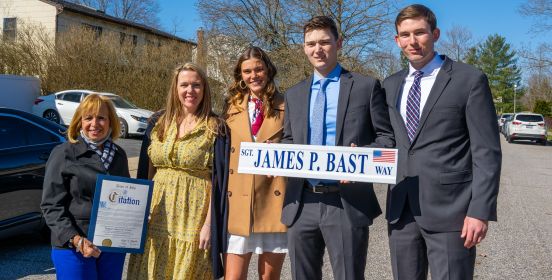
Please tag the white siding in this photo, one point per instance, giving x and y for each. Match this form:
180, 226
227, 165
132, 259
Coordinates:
33, 12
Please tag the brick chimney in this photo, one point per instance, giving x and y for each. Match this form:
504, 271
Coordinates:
201, 50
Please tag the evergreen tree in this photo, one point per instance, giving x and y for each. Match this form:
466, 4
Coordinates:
498, 61
543, 107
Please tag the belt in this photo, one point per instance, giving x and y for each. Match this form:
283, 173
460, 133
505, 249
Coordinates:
332, 188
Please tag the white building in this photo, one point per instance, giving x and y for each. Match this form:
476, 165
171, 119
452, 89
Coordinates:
57, 16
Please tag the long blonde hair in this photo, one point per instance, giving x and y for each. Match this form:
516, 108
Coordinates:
92, 104
173, 108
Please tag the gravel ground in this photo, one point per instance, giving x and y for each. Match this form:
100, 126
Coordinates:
519, 246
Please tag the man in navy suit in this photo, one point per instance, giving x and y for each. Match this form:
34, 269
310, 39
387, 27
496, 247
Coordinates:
444, 123
333, 107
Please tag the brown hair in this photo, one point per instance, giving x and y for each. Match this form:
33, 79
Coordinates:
237, 93
416, 11
93, 104
321, 22
173, 107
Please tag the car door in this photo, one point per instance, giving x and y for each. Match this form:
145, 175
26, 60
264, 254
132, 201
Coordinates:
67, 105
24, 149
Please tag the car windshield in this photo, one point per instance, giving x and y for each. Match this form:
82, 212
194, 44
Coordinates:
529, 118
122, 103
506, 115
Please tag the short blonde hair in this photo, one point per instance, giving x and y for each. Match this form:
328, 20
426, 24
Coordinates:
93, 104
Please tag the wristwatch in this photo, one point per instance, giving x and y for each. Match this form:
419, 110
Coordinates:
70, 244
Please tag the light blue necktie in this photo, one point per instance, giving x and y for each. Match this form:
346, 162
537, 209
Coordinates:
413, 106
318, 115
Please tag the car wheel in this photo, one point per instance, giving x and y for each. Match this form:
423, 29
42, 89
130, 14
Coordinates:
124, 128
510, 139
51, 115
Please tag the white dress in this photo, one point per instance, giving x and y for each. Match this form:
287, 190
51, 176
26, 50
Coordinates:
258, 243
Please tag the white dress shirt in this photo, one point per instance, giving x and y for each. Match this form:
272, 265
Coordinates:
426, 83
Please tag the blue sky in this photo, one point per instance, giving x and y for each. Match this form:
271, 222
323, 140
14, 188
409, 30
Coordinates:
481, 17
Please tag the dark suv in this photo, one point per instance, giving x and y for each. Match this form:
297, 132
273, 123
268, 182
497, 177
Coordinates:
25, 145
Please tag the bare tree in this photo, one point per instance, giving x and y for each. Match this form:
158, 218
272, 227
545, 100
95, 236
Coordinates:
262, 22
457, 43
363, 24
541, 11
95, 4
539, 63
276, 26
140, 11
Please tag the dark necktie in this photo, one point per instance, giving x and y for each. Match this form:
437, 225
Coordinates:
318, 115
413, 106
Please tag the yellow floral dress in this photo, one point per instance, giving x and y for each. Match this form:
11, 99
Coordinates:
179, 206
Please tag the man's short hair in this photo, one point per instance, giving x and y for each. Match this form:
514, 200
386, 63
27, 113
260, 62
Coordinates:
321, 22
416, 11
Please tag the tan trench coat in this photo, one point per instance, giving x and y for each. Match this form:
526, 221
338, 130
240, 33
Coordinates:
255, 201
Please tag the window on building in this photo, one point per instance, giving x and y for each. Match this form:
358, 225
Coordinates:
122, 36
10, 28
134, 40
96, 29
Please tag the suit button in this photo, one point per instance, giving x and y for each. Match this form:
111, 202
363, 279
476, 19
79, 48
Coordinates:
277, 192
411, 153
229, 193
232, 150
231, 171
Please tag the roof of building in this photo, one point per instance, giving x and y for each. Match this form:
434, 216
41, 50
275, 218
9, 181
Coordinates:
65, 5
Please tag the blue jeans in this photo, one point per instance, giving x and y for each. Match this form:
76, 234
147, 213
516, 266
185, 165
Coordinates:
72, 265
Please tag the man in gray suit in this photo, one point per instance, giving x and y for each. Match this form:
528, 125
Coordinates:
332, 107
444, 122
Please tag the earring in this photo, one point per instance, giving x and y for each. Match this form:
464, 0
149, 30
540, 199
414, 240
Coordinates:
244, 86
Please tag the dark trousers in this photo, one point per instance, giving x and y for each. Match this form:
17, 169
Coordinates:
72, 265
413, 249
321, 223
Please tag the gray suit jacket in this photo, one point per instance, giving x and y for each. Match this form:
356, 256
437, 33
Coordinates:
362, 118
452, 167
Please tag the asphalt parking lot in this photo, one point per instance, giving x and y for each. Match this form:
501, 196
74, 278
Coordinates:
519, 246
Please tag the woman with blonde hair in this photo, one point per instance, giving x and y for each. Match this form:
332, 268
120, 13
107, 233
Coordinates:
69, 186
181, 154
254, 113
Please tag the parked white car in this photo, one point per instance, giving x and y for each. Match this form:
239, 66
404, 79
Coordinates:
526, 126
502, 119
61, 106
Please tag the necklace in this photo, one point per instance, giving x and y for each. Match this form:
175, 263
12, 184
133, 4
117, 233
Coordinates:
186, 125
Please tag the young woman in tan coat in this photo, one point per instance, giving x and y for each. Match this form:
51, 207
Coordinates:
254, 113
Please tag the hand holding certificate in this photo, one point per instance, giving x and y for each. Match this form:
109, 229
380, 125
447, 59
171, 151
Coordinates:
119, 214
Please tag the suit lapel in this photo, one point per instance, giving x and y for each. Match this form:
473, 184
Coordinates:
345, 84
439, 86
240, 114
396, 111
304, 98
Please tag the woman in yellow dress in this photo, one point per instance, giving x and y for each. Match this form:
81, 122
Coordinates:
181, 153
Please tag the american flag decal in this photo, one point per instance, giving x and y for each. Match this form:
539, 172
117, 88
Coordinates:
384, 156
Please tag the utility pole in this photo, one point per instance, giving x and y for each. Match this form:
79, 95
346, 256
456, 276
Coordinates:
515, 87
